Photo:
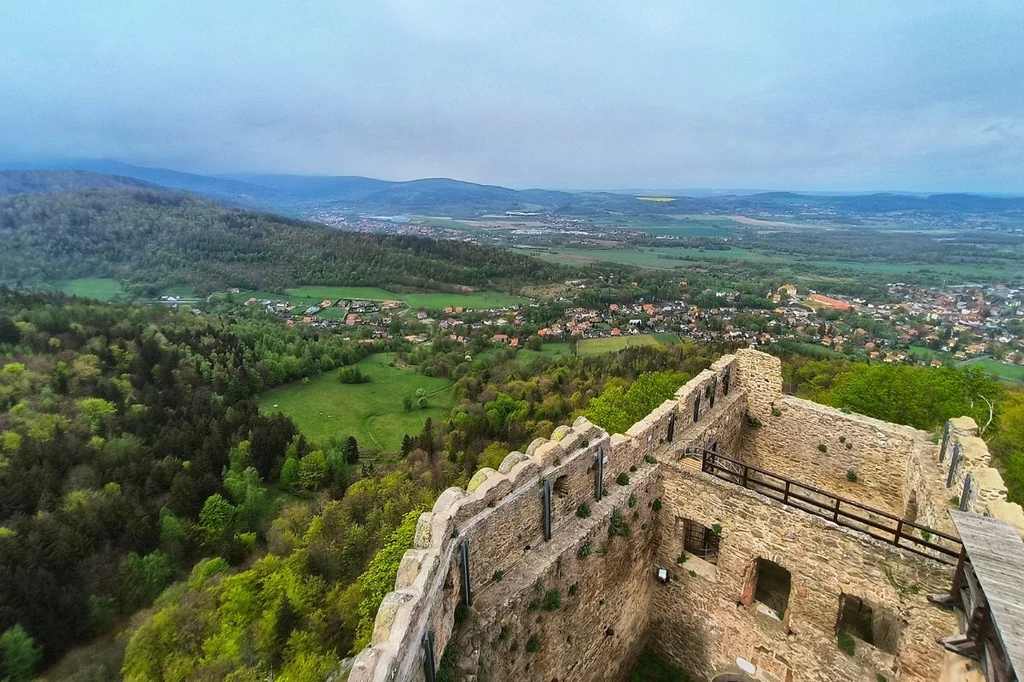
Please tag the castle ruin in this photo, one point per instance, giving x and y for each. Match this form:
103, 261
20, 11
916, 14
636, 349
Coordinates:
740, 533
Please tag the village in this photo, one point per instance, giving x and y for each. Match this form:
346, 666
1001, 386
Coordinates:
936, 326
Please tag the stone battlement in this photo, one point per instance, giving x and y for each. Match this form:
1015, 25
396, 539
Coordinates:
550, 562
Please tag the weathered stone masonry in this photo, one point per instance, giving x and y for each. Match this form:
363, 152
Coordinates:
584, 604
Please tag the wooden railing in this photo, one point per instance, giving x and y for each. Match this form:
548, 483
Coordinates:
880, 525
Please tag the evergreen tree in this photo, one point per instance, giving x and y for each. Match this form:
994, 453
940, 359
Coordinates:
352, 450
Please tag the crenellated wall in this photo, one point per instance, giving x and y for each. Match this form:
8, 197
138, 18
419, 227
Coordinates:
603, 554
987, 492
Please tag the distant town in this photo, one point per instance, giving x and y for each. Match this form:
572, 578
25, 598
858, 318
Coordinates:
935, 326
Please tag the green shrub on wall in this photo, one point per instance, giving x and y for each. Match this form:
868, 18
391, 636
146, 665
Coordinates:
379, 577
552, 600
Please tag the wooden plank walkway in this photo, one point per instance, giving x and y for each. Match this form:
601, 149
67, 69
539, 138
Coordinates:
996, 553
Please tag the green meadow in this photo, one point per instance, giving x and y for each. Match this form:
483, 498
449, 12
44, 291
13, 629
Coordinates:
616, 343
311, 295
672, 257
372, 412
101, 289
1001, 370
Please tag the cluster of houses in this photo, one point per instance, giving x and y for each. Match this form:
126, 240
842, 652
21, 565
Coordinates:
914, 325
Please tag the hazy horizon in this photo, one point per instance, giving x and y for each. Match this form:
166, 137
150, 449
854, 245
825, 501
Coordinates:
893, 97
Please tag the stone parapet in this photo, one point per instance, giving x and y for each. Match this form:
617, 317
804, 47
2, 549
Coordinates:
706, 618
969, 454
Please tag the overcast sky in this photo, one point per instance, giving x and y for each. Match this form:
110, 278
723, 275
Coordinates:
844, 95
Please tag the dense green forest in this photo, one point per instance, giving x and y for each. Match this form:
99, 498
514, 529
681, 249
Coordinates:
118, 426
154, 238
134, 459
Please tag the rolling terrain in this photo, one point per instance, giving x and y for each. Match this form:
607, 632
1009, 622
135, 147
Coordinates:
153, 239
299, 195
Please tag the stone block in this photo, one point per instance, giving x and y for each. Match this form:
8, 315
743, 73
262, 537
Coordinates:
546, 454
534, 444
387, 615
511, 459
560, 432
448, 499
523, 472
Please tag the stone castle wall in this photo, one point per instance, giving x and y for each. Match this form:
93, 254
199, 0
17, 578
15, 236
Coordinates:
987, 492
612, 607
597, 631
705, 619
499, 516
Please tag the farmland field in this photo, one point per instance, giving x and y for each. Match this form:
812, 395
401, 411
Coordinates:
310, 295
93, 287
999, 369
617, 343
372, 412
669, 258
525, 356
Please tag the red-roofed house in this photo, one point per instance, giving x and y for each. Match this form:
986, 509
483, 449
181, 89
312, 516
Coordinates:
831, 302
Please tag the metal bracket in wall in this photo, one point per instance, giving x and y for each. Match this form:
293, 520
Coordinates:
467, 593
953, 463
965, 495
546, 495
429, 665
945, 441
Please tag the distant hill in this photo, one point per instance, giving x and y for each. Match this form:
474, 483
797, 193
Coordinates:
304, 195
155, 238
41, 181
230, 192
317, 187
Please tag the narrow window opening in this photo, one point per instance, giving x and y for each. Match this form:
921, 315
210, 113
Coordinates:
772, 587
700, 541
696, 407
857, 619
561, 488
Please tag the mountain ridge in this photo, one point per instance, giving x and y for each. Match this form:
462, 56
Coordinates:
306, 195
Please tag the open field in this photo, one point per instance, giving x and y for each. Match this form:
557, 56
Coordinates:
669, 258
525, 356
310, 295
372, 412
616, 343
1001, 370
93, 287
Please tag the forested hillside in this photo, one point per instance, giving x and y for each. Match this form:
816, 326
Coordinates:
42, 181
117, 427
132, 457
158, 238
